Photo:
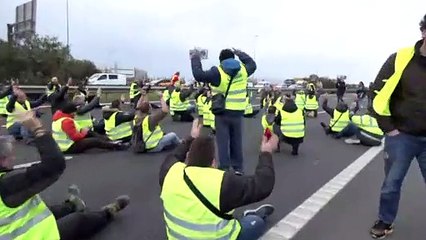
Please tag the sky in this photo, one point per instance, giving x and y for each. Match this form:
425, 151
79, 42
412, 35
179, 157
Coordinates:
287, 38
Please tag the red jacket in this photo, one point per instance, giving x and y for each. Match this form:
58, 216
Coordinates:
68, 126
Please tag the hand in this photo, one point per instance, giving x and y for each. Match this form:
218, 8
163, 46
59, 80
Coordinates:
122, 98
99, 92
196, 128
236, 51
393, 133
29, 120
194, 54
269, 145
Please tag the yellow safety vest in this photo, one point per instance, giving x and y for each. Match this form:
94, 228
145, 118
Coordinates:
133, 92
200, 104
249, 107
49, 92
236, 99
11, 118
156, 136
176, 105
208, 116
61, 138
293, 124
117, 132
311, 103
166, 95
383, 96
85, 120
31, 220
266, 125
300, 100
367, 123
342, 120
185, 216
3, 103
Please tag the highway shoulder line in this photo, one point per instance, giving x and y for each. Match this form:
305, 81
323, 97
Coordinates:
291, 224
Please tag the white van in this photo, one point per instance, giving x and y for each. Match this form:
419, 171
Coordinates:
107, 79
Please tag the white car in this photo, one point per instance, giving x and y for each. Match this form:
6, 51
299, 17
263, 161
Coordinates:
107, 79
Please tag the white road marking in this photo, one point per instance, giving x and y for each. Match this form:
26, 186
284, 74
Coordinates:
25, 165
291, 224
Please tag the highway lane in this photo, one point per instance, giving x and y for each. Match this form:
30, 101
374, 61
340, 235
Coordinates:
104, 175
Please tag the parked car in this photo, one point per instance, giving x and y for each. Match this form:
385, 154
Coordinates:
107, 79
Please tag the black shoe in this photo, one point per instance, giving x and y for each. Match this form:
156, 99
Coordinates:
294, 153
380, 230
263, 211
239, 173
121, 146
119, 204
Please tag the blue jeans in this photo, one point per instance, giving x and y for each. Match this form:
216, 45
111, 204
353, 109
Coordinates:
252, 227
229, 138
349, 131
399, 151
168, 140
19, 131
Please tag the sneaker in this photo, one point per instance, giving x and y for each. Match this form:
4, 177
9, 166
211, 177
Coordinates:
352, 141
380, 230
119, 204
239, 173
121, 146
263, 211
75, 199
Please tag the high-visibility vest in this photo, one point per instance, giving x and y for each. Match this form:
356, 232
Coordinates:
85, 120
30, 220
3, 103
200, 104
61, 138
176, 105
311, 103
300, 100
383, 96
249, 107
266, 125
11, 117
54, 88
208, 116
342, 120
121, 131
279, 104
134, 92
293, 124
367, 123
185, 216
154, 138
166, 95
265, 102
236, 99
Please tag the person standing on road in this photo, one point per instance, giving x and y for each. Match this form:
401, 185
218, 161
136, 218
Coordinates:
399, 105
341, 89
231, 76
199, 199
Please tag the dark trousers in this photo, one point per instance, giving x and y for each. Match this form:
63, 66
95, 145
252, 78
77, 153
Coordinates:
366, 138
78, 225
340, 97
229, 138
293, 142
183, 116
92, 140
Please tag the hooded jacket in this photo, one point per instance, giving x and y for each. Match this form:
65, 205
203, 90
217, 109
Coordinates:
69, 127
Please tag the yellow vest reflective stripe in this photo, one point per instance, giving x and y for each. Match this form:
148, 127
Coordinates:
236, 99
342, 123
300, 100
11, 119
166, 95
293, 124
155, 137
61, 138
200, 104
185, 216
367, 123
249, 106
266, 125
3, 103
117, 132
382, 98
133, 92
208, 116
176, 104
311, 103
84, 121
31, 220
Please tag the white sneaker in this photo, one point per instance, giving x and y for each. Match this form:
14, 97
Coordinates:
352, 141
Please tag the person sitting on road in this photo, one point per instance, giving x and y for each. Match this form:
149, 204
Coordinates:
340, 118
250, 112
118, 124
83, 117
167, 93
200, 98
208, 116
365, 130
4, 99
300, 98
24, 214
18, 102
59, 97
152, 135
290, 125
52, 87
180, 107
268, 119
197, 197
72, 139
311, 105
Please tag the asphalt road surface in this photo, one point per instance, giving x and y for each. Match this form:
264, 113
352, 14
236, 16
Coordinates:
102, 176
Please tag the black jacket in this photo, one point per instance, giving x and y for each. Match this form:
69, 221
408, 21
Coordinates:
407, 103
236, 191
120, 118
17, 186
58, 98
10, 106
88, 107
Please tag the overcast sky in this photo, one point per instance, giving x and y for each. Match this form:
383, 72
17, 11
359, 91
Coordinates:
295, 38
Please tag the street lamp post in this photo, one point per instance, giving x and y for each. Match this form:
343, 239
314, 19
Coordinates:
68, 26
255, 42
